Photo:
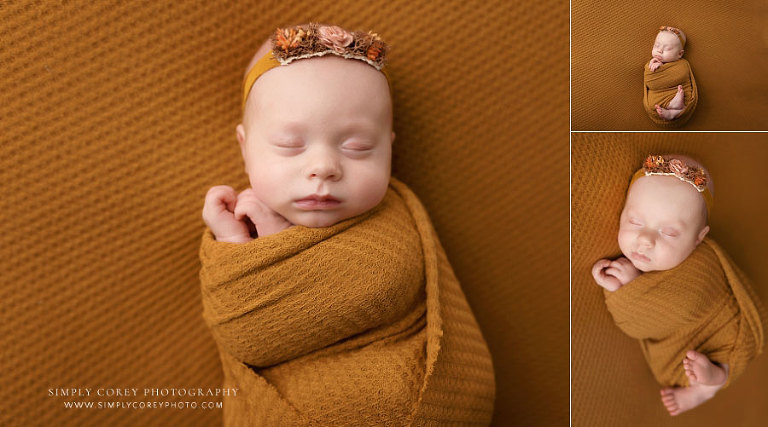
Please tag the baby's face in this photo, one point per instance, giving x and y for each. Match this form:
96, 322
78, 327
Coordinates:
317, 139
662, 223
667, 47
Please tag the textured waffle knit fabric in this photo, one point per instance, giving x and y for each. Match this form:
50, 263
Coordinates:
726, 46
704, 304
612, 383
661, 85
116, 117
360, 323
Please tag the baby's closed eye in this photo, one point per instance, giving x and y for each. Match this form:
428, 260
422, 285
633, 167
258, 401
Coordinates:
669, 232
357, 146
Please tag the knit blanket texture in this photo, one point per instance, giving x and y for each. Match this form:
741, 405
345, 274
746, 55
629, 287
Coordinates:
359, 323
704, 304
660, 87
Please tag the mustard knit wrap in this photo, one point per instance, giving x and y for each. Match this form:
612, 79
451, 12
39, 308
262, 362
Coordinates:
704, 304
660, 87
359, 323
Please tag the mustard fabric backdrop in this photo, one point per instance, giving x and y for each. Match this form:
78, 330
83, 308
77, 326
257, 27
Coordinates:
727, 47
118, 116
611, 382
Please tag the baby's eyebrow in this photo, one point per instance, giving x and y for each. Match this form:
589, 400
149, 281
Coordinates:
359, 126
677, 225
291, 127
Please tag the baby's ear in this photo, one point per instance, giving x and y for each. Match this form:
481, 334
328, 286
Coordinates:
702, 234
240, 131
680, 54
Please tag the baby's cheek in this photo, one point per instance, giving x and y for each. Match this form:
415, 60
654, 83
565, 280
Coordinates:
624, 239
268, 184
669, 255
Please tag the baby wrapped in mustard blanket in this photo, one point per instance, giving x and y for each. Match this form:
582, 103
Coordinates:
705, 304
359, 323
661, 86
670, 94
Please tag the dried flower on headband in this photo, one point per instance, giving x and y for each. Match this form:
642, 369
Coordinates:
694, 175
306, 41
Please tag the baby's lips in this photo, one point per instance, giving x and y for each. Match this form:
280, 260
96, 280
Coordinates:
640, 257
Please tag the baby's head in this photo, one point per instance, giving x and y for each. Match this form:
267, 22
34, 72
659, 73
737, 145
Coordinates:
666, 212
316, 135
669, 44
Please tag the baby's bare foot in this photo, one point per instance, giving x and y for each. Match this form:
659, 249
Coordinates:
677, 103
700, 370
680, 399
667, 114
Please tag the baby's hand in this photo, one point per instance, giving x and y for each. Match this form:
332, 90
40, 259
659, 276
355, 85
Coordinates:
218, 214
614, 274
654, 64
265, 219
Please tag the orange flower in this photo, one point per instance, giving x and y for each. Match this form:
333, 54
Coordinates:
373, 51
648, 162
288, 39
699, 181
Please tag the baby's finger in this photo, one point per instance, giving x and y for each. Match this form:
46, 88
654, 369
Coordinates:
221, 197
241, 211
599, 266
620, 262
231, 200
615, 272
247, 194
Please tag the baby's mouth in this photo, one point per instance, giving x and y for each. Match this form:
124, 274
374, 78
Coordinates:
639, 257
317, 202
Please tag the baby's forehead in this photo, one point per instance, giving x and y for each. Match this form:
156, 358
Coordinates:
667, 193
667, 37
662, 186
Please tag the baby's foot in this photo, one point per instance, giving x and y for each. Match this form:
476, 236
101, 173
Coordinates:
700, 370
667, 114
680, 399
677, 103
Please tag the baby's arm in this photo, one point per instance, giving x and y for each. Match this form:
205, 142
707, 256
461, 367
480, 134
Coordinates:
614, 274
219, 216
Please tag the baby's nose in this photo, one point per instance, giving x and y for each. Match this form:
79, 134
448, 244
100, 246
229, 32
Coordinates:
324, 167
645, 240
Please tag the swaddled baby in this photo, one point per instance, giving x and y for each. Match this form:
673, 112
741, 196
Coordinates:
670, 92
321, 281
675, 290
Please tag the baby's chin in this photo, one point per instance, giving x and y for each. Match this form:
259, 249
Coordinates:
647, 267
317, 219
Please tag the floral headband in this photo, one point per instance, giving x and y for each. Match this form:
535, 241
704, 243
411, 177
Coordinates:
307, 41
676, 32
694, 175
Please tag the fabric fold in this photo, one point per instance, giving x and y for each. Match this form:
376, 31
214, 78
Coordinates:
704, 304
361, 322
660, 86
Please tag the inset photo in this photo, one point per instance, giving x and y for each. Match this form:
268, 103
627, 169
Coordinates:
668, 278
658, 65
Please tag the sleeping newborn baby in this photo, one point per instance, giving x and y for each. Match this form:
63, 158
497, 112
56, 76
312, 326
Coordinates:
675, 289
670, 93
320, 282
